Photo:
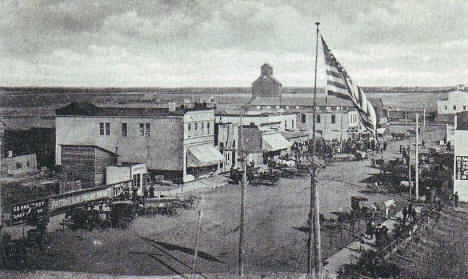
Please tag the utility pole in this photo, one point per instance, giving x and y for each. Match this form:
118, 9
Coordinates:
409, 159
314, 226
424, 116
243, 155
417, 157
197, 240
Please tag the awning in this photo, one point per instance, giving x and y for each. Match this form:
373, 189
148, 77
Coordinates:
381, 131
274, 142
203, 155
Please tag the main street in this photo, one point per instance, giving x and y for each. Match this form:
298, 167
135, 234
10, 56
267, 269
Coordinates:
275, 240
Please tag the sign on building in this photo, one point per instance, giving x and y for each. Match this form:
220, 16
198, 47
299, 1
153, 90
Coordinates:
250, 139
461, 168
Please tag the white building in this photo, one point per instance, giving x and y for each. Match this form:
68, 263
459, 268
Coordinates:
461, 157
175, 142
457, 101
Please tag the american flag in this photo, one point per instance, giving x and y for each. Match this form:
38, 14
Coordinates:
339, 84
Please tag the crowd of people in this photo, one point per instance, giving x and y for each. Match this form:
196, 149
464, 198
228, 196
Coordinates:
329, 148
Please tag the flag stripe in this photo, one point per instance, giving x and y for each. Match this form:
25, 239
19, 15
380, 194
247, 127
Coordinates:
339, 95
339, 84
333, 74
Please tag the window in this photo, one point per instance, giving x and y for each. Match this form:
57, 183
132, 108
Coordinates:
454, 107
285, 124
208, 127
318, 118
189, 127
148, 130
202, 127
464, 107
124, 129
445, 107
104, 129
292, 124
142, 129
333, 118
303, 118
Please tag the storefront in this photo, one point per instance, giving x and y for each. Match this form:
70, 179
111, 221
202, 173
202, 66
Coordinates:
202, 160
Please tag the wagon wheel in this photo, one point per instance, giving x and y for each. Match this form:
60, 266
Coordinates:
124, 222
105, 224
195, 202
151, 210
174, 211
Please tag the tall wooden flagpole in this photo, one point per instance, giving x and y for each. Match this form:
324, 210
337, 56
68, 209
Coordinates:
417, 158
314, 226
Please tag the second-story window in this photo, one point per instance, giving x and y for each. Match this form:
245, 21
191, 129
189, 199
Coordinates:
142, 129
124, 129
208, 127
318, 118
104, 129
147, 130
202, 127
333, 118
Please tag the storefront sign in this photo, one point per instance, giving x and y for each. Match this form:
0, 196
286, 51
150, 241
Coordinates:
461, 168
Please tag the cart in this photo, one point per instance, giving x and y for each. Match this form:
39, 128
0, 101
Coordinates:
169, 206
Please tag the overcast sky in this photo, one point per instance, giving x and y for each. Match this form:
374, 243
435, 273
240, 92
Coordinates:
171, 43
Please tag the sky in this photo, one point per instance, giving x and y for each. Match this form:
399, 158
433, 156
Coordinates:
216, 43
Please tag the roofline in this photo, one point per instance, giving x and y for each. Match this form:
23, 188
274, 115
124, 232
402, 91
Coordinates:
91, 145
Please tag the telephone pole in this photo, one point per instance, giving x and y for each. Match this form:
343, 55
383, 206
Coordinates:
243, 155
314, 215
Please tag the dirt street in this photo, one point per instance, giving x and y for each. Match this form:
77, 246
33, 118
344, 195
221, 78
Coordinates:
274, 239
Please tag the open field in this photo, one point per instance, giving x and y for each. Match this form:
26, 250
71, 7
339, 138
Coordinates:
45, 103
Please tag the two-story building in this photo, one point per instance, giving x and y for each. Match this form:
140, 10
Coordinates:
175, 142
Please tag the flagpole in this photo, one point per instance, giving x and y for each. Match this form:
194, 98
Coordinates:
314, 220
417, 157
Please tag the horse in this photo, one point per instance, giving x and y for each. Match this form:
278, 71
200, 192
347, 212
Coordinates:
386, 206
404, 184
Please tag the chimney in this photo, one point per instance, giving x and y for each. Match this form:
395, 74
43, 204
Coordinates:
461, 87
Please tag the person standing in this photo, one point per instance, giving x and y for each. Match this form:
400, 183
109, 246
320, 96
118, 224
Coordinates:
405, 214
455, 198
413, 215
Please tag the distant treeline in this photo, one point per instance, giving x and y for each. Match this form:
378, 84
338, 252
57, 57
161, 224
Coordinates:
209, 90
